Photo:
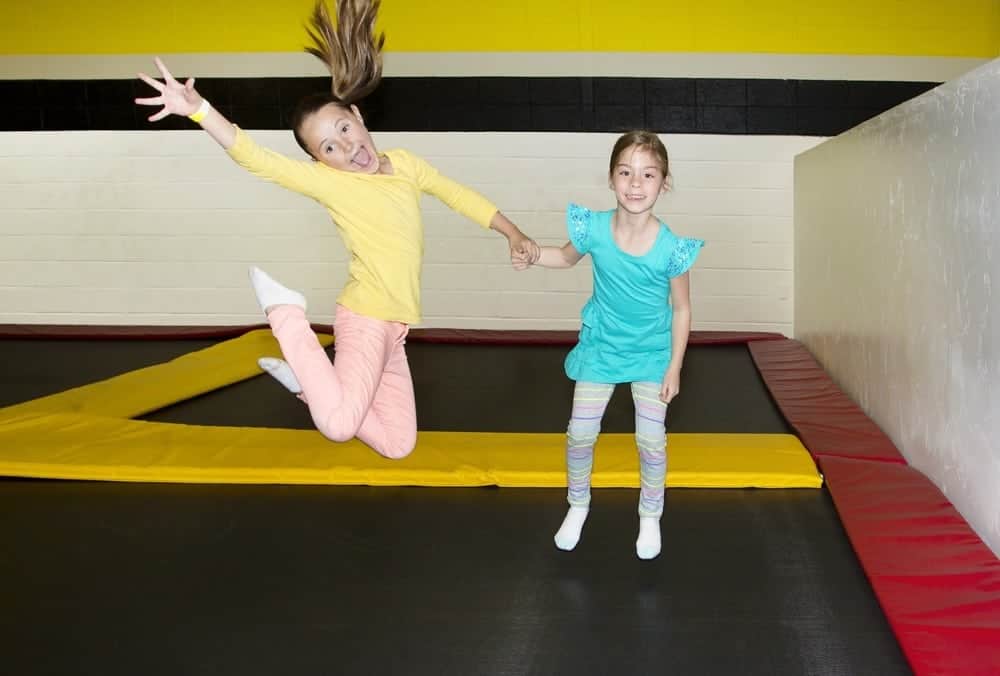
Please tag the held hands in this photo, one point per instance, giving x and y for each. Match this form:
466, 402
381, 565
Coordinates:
524, 252
671, 386
176, 98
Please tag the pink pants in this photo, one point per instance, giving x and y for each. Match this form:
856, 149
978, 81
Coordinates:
366, 392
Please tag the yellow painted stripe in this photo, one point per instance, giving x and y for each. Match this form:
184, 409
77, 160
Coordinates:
969, 28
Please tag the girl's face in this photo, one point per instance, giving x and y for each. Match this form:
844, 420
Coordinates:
637, 179
337, 137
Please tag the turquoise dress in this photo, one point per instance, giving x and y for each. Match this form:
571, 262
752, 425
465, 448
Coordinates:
625, 332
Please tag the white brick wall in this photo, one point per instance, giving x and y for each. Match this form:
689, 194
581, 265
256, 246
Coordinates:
159, 228
898, 244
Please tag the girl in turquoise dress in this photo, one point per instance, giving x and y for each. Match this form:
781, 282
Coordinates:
634, 327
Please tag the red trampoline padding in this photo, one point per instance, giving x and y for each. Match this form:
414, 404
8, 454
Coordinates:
936, 580
825, 418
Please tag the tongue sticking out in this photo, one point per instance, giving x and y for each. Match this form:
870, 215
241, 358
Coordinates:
362, 158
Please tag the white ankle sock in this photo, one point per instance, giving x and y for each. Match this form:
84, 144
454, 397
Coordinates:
648, 544
569, 532
270, 293
282, 372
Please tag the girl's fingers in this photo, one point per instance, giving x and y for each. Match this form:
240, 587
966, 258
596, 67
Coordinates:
189, 85
151, 101
163, 69
158, 116
155, 84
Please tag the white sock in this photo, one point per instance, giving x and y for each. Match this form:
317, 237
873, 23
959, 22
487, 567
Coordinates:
282, 372
569, 532
270, 293
648, 544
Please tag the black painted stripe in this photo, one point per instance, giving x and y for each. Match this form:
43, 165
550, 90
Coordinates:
499, 104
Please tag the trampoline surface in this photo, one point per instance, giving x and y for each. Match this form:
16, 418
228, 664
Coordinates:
171, 578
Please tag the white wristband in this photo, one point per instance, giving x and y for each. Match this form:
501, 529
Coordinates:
199, 115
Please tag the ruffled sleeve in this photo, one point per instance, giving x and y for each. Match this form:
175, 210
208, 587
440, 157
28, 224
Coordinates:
578, 220
683, 255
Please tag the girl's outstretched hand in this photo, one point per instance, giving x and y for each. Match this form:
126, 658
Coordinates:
176, 98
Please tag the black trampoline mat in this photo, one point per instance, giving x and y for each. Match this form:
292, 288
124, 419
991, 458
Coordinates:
119, 578
461, 388
179, 579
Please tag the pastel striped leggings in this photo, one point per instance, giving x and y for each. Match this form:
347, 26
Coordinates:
589, 402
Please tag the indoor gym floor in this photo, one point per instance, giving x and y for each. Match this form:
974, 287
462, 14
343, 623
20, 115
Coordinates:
110, 578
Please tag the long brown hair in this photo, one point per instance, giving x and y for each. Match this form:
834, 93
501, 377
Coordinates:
351, 50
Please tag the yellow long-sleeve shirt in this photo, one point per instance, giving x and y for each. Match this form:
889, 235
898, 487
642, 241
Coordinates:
378, 217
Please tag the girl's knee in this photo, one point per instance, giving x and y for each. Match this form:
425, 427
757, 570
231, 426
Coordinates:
337, 432
398, 452
583, 429
400, 448
397, 442
576, 440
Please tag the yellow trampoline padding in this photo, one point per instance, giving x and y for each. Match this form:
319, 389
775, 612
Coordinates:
86, 433
148, 389
74, 446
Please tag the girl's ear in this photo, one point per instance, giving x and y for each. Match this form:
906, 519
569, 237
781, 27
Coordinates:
668, 183
357, 113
